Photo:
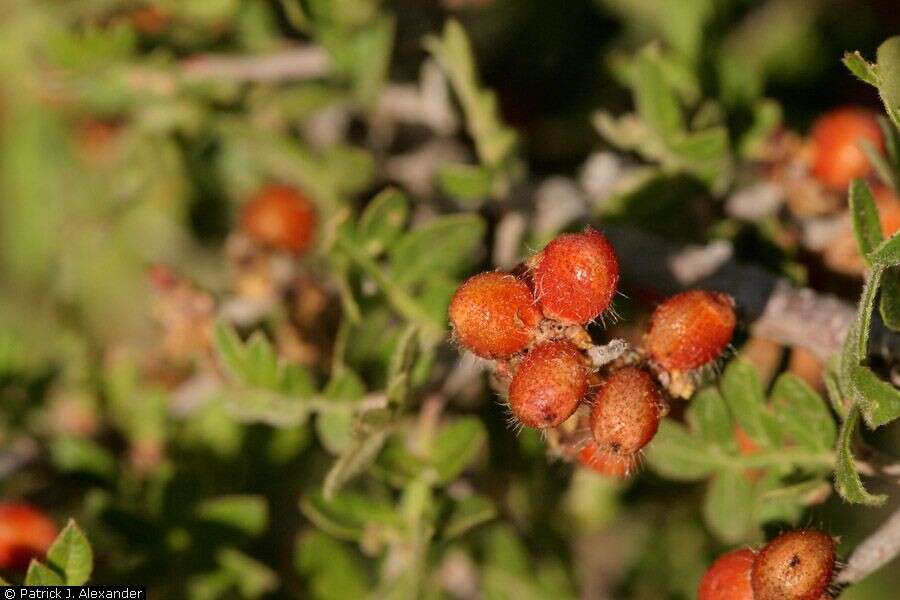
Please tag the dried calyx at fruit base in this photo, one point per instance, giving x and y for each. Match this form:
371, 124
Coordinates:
796, 565
598, 405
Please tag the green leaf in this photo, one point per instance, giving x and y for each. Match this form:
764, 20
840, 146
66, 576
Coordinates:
802, 414
887, 253
469, 183
230, 350
381, 223
71, 555
247, 513
656, 101
866, 224
890, 298
743, 392
261, 362
676, 454
347, 516
878, 400
334, 571
468, 514
400, 369
888, 57
73, 454
728, 506
456, 445
446, 244
708, 417
355, 460
40, 574
494, 141
884, 169
846, 479
704, 154
335, 429
253, 578
860, 67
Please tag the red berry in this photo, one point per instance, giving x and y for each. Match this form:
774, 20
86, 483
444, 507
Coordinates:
626, 411
888, 210
548, 384
690, 329
575, 277
617, 466
797, 565
729, 577
25, 533
836, 157
280, 217
494, 315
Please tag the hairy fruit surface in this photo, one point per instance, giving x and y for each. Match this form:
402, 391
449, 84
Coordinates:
796, 565
576, 276
617, 466
548, 384
728, 578
690, 329
626, 411
494, 315
280, 217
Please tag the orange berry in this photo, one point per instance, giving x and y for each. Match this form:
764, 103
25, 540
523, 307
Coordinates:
835, 137
888, 210
796, 565
616, 466
280, 217
25, 533
576, 276
548, 384
626, 411
494, 315
690, 329
728, 578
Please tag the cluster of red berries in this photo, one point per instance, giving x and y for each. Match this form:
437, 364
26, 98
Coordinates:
531, 322
25, 533
796, 565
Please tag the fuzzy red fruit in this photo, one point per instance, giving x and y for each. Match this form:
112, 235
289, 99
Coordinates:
494, 315
729, 577
280, 217
548, 384
616, 466
797, 565
576, 276
835, 136
25, 533
690, 329
626, 411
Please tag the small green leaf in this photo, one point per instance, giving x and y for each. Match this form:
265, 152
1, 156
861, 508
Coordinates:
230, 350
676, 454
446, 244
402, 362
72, 454
40, 574
888, 56
656, 101
884, 169
347, 516
866, 224
802, 413
381, 223
246, 513
860, 67
887, 253
253, 578
846, 479
456, 445
468, 514
878, 399
71, 555
333, 570
356, 459
728, 507
708, 417
890, 298
335, 429
469, 183
261, 362
743, 392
